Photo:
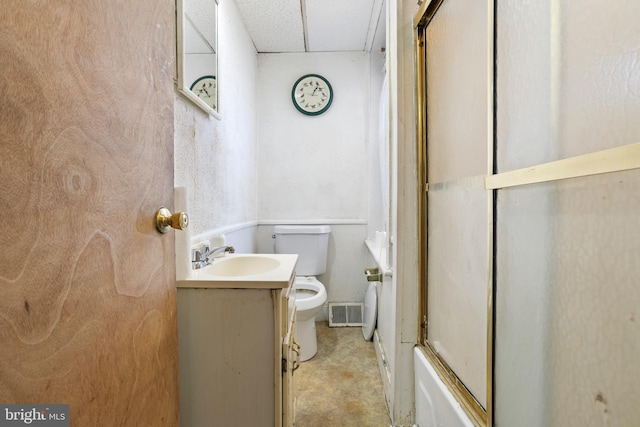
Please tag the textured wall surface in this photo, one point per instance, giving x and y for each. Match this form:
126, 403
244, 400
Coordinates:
313, 167
216, 159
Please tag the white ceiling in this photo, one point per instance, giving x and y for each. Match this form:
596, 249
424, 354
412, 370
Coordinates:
314, 25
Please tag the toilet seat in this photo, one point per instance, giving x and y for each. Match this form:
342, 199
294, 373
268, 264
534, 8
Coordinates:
370, 311
310, 292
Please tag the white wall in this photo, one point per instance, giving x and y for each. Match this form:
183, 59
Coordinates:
378, 132
313, 166
216, 159
313, 169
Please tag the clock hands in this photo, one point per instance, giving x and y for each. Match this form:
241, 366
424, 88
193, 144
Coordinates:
204, 90
315, 89
314, 93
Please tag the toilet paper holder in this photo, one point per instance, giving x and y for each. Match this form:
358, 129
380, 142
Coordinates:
373, 274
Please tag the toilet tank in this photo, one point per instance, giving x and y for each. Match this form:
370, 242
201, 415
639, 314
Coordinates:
310, 242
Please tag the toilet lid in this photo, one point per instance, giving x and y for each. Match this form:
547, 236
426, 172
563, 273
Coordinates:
370, 312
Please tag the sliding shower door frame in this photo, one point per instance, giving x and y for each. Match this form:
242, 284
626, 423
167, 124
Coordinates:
479, 415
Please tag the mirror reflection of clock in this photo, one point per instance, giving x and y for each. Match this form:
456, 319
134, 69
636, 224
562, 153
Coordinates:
206, 88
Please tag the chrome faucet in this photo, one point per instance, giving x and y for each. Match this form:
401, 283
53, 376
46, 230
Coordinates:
224, 249
204, 255
198, 257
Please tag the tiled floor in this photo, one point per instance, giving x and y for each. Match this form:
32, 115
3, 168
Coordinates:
340, 385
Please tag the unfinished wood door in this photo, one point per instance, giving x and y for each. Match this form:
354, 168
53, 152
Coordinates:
87, 285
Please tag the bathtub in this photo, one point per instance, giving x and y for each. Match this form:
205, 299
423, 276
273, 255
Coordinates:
435, 405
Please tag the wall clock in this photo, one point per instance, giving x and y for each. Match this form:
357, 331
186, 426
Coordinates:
206, 88
312, 94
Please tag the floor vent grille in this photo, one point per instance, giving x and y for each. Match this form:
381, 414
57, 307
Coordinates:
345, 314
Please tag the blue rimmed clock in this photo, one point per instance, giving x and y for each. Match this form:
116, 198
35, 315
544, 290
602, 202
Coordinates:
312, 94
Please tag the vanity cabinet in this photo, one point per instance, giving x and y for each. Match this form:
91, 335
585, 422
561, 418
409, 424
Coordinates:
237, 356
290, 362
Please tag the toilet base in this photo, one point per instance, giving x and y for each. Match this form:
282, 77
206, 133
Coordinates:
307, 338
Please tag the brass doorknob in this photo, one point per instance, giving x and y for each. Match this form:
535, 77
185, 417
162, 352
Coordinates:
164, 220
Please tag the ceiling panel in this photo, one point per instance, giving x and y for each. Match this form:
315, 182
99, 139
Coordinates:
274, 25
338, 25
329, 25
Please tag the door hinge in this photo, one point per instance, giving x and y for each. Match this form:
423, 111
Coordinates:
284, 365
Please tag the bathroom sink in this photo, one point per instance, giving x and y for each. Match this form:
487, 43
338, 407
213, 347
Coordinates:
234, 271
242, 265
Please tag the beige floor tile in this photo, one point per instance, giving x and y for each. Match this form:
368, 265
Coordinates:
340, 385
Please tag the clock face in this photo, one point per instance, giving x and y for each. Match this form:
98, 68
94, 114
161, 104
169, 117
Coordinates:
312, 94
206, 88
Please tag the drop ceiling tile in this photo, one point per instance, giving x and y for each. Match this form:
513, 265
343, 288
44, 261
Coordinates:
338, 25
274, 25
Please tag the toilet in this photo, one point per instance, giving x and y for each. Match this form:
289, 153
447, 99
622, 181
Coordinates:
310, 242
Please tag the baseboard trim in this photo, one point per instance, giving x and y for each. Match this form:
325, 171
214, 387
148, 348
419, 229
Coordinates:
383, 366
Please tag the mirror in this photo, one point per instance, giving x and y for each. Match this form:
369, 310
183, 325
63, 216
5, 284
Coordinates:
197, 52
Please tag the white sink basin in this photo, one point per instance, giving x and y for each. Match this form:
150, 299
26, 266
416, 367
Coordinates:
242, 265
271, 271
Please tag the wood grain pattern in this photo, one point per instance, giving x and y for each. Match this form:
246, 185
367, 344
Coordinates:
87, 288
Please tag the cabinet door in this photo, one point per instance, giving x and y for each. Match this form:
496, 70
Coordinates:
291, 362
226, 353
